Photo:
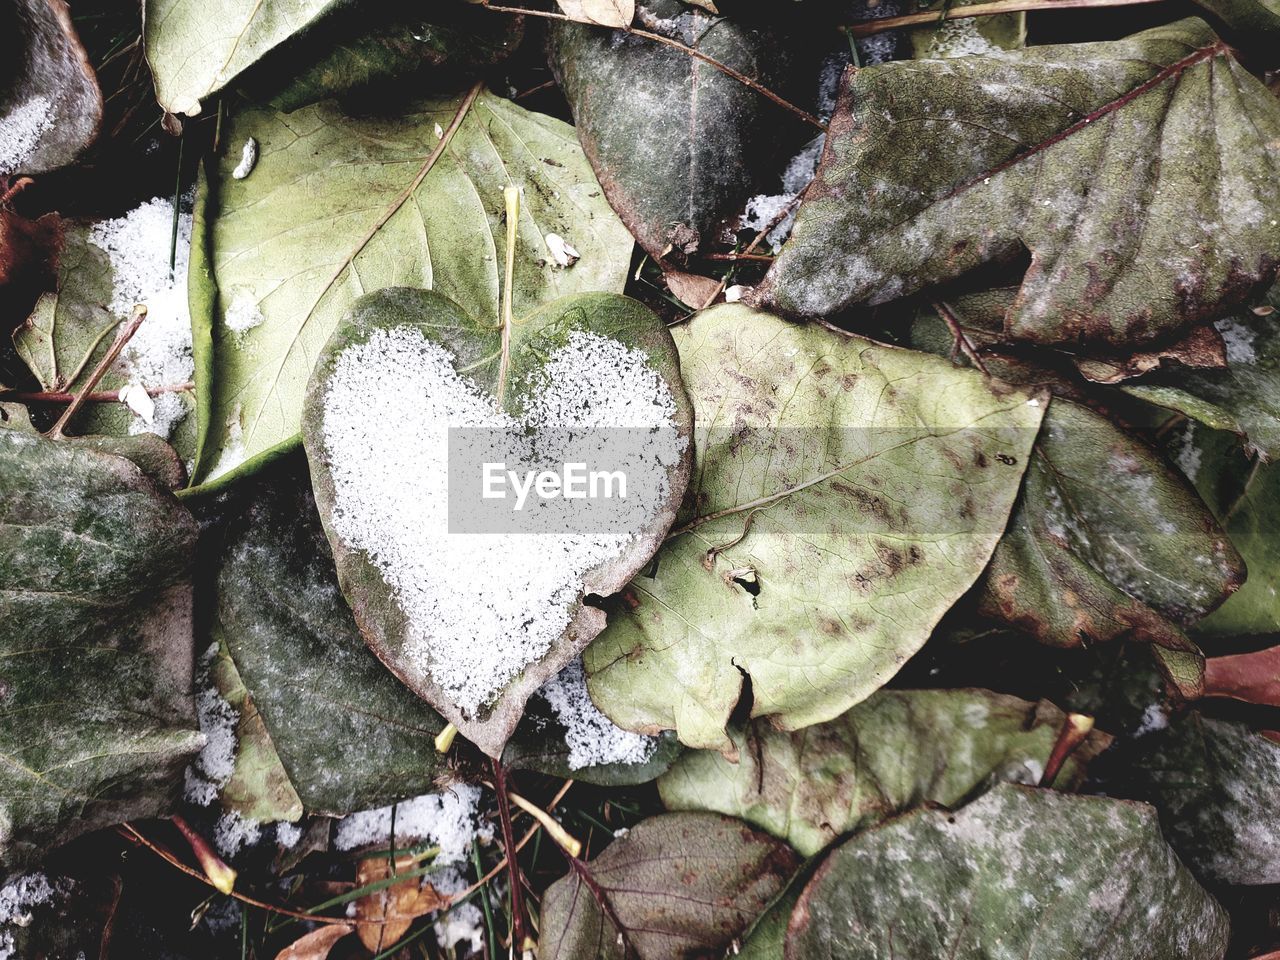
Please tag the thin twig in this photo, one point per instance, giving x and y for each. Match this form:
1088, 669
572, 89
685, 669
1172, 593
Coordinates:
962, 339
95, 396
122, 338
524, 841
756, 257
509, 847
872, 27
130, 832
724, 68
16, 188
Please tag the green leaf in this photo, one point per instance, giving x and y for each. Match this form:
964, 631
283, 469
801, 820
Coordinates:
493, 358
1108, 542
895, 750
97, 722
50, 104
350, 736
1017, 873
338, 206
70, 331
846, 495
1145, 213
1216, 784
682, 885
678, 145
195, 47
372, 51
1245, 397
966, 36
259, 788
1256, 21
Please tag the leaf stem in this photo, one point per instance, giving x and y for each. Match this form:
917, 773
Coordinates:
724, 68
94, 396
550, 824
511, 197
872, 27
509, 847
122, 338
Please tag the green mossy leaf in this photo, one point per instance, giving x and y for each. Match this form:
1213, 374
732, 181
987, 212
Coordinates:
1020, 873
896, 750
865, 488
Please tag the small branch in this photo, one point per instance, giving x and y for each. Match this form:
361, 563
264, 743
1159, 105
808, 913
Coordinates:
872, 27
756, 257
509, 847
122, 338
16, 188
550, 824
962, 339
96, 396
727, 70
524, 842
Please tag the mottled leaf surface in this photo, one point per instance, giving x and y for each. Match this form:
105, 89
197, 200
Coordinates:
349, 734
677, 144
1145, 213
683, 885
1216, 784
1245, 397
335, 208
483, 349
48, 86
196, 47
844, 495
97, 722
1018, 873
895, 750
72, 328
1107, 541
1256, 21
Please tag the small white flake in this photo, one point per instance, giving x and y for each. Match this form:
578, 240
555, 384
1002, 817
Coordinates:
243, 313
439, 132
135, 397
561, 252
233, 832
248, 159
288, 835
734, 293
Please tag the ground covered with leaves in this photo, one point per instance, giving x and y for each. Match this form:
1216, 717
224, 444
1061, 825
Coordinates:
940, 344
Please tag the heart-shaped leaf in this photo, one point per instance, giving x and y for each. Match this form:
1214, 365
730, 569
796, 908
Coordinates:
680, 885
1098, 547
475, 622
1245, 397
95, 640
50, 104
1017, 873
1145, 214
845, 495
195, 48
678, 145
895, 750
349, 735
338, 206
1216, 784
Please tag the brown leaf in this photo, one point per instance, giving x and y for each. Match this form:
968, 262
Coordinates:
384, 916
1201, 348
28, 259
692, 290
316, 944
1250, 677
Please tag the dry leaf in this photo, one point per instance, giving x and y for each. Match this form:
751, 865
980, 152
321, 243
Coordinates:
317, 944
603, 13
692, 290
384, 916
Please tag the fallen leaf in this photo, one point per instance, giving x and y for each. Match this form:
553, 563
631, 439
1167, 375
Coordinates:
841, 501
1047, 149
1029, 872
683, 885
896, 750
693, 291
481, 683
358, 220
317, 944
384, 916
601, 13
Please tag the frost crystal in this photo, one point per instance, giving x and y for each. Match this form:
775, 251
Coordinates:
446, 820
212, 769
138, 246
20, 132
592, 737
478, 607
17, 898
233, 832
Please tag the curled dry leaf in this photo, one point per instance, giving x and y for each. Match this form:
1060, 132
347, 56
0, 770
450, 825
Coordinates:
601, 13
316, 945
935, 167
384, 916
50, 104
